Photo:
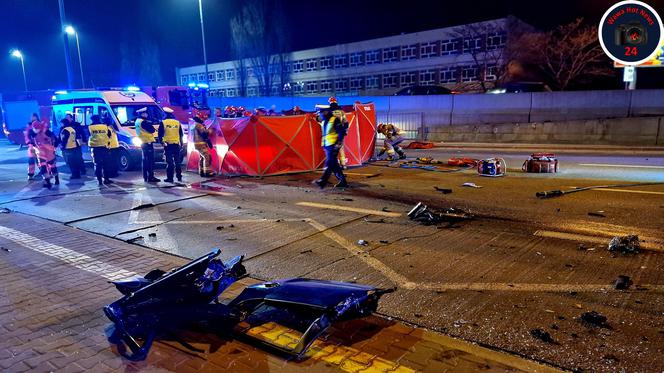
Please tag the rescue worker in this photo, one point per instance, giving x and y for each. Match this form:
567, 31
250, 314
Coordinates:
297, 111
71, 149
45, 143
393, 137
113, 160
32, 152
339, 113
100, 136
81, 134
332, 141
145, 131
202, 144
170, 134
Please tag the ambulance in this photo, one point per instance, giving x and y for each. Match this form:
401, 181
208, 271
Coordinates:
121, 105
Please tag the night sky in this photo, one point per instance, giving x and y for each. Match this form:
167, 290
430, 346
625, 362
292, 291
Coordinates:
112, 32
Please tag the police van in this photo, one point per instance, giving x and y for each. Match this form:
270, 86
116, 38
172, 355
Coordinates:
121, 106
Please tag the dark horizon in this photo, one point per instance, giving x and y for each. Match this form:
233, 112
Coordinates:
121, 39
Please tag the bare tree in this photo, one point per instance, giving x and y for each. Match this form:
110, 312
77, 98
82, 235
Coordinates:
568, 55
259, 34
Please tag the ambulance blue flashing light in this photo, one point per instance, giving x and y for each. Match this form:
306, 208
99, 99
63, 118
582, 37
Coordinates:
133, 88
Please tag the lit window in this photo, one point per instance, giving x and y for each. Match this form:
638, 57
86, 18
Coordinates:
428, 50
390, 80
408, 78
311, 65
409, 52
325, 63
341, 85
356, 59
428, 77
325, 86
373, 82
373, 57
390, 54
230, 74
341, 61
298, 66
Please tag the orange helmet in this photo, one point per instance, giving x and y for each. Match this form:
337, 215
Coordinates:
332, 99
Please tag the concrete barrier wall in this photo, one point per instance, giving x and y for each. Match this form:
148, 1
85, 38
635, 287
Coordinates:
574, 117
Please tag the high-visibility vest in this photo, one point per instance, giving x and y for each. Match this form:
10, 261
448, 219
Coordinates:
71, 140
171, 131
113, 142
146, 137
98, 135
330, 134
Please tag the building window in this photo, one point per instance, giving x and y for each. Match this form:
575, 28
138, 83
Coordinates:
201, 77
325, 86
311, 87
341, 85
356, 84
298, 66
408, 78
325, 63
341, 61
390, 54
230, 74
491, 73
409, 52
231, 92
221, 75
252, 91
250, 72
297, 87
275, 91
448, 75
391, 80
373, 82
222, 93
469, 73
428, 50
449, 46
495, 40
356, 59
311, 65
211, 77
427, 77
183, 80
472, 44
373, 57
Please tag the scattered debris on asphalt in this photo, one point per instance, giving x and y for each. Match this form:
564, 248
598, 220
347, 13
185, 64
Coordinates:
623, 283
362, 243
558, 193
152, 235
5, 210
231, 239
344, 199
134, 239
231, 226
443, 190
422, 214
306, 251
374, 175
625, 245
471, 185
175, 209
385, 209
542, 335
5, 249
220, 227
599, 214
594, 318
143, 206
384, 241
379, 221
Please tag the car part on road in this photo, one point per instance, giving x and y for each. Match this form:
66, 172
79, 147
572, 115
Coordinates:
625, 245
492, 167
541, 163
422, 214
443, 190
599, 214
557, 193
594, 318
164, 302
471, 185
622, 283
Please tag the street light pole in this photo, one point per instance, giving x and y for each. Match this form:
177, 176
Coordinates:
200, 12
72, 31
70, 80
17, 53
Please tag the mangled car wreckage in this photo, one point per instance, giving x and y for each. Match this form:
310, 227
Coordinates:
161, 302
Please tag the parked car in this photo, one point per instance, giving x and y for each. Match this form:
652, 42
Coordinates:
423, 90
521, 87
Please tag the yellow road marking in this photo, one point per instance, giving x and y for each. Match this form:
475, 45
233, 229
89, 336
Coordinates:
348, 208
648, 244
630, 191
618, 165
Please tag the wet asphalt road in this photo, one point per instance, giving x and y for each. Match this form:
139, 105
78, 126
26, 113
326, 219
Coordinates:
522, 264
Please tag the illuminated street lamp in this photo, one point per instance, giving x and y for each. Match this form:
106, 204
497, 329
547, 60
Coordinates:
200, 13
71, 31
17, 53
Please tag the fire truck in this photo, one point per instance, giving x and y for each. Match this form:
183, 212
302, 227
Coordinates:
186, 102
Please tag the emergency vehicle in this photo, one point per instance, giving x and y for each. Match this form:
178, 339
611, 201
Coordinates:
186, 102
121, 105
17, 108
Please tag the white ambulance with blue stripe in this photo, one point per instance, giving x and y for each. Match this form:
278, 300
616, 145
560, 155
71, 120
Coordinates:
121, 105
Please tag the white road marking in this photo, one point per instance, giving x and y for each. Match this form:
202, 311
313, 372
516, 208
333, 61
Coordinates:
71, 257
547, 288
351, 209
618, 165
630, 191
236, 221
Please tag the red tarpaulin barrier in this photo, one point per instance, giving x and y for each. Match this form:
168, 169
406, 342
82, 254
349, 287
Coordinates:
272, 145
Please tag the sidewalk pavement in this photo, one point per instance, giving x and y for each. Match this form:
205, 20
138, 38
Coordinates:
55, 283
557, 148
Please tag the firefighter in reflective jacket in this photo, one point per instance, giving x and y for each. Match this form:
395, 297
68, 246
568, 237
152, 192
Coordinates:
202, 144
393, 138
170, 134
71, 148
333, 140
339, 113
100, 136
145, 131
114, 150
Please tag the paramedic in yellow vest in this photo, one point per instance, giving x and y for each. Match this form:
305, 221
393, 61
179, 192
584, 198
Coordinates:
170, 133
333, 140
145, 131
70, 142
113, 161
98, 141
202, 144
